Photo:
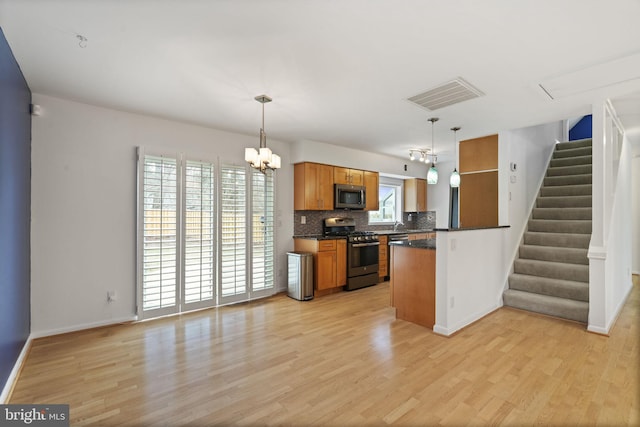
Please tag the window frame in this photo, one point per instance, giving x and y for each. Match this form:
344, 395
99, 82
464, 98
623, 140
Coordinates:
398, 185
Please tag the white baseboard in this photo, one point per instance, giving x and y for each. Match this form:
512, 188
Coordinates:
441, 330
616, 314
13, 376
75, 328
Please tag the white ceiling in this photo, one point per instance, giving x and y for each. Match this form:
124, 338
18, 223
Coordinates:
338, 71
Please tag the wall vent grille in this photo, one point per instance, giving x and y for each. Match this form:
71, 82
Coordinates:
450, 93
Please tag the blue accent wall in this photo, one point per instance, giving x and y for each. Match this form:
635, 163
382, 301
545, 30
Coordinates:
15, 210
582, 129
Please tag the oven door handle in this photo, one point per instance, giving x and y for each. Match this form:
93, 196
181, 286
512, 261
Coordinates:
362, 245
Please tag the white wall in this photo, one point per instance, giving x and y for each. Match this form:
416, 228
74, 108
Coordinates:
635, 216
530, 149
320, 152
438, 194
469, 276
611, 246
84, 206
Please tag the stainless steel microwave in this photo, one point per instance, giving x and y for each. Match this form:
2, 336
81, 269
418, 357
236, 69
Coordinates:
350, 197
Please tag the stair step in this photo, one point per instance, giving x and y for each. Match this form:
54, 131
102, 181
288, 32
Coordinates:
554, 254
567, 145
571, 161
578, 226
566, 190
562, 213
569, 170
569, 289
553, 270
567, 240
567, 179
564, 202
572, 152
545, 304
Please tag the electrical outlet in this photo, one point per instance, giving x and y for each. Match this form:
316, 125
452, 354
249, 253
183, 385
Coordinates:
303, 219
111, 296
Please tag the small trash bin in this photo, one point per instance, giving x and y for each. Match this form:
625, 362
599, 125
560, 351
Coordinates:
300, 267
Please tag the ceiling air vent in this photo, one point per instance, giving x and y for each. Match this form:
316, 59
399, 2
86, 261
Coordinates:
453, 92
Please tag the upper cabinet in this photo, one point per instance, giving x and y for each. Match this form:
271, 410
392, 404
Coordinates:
415, 195
371, 183
479, 182
348, 176
313, 187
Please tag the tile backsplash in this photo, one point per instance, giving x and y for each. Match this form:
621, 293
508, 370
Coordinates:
419, 221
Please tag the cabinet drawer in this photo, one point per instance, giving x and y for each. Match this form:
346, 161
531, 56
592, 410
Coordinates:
327, 245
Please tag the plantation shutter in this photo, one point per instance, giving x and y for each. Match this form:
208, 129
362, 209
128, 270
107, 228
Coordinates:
262, 233
159, 234
198, 236
233, 230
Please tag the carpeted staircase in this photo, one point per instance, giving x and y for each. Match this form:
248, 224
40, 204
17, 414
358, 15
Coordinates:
551, 274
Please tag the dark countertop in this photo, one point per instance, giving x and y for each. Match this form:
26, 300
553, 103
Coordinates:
380, 232
471, 228
412, 231
318, 237
418, 244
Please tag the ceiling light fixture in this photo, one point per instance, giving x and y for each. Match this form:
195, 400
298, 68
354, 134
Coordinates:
432, 175
454, 179
263, 159
420, 154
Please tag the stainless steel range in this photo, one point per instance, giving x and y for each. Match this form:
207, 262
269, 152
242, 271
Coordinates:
362, 251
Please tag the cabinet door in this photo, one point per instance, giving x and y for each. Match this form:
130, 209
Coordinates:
421, 197
348, 176
326, 270
313, 186
341, 262
371, 183
415, 195
341, 175
357, 177
383, 254
324, 185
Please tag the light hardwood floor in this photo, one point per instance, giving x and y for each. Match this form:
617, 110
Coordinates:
339, 360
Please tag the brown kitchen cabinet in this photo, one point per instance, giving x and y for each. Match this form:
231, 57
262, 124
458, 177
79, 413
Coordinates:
312, 187
348, 176
417, 236
415, 195
371, 183
383, 257
329, 259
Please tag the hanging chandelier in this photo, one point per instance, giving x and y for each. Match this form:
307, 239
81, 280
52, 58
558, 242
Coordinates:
432, 175
454, 179
263, 158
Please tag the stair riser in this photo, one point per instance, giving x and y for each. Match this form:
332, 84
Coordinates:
554, 254
578, 273
561, 240
564, 202
568, 145
566, 190
556, 288
567, 180
558, 226
571, 161
569, 170
562, 213
574, 152
577, 312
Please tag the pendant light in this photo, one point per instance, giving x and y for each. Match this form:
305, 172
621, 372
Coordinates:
263, 159
432, 175
454, 179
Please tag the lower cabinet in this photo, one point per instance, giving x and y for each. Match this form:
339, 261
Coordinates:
329, 261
